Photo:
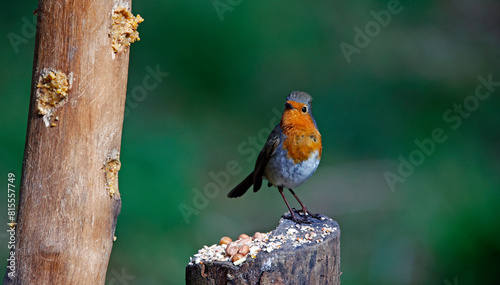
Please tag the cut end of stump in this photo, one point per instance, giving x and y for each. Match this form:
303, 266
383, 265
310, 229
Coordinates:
124, 29
307, 253
288, 235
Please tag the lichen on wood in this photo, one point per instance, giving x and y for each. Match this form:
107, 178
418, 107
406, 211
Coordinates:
111, 169
124, 29
52, 92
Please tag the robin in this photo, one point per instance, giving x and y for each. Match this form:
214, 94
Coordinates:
291, 154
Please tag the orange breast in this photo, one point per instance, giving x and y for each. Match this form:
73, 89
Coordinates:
302, 137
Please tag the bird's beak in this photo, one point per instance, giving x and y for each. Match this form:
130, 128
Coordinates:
288, 106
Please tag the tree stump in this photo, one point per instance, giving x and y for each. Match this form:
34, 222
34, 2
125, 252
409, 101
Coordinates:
291, 254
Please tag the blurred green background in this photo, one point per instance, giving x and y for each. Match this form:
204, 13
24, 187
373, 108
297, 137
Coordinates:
230, 70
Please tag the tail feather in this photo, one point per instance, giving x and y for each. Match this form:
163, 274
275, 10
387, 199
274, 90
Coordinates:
241, 188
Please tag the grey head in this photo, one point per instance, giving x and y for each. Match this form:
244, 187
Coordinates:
300, 96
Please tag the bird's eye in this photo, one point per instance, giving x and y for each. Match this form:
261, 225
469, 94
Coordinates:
304, 109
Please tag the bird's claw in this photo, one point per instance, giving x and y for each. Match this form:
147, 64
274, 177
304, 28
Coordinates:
307, 213
297, 218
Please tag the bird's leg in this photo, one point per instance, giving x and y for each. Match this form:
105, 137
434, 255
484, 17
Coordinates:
304, 208
294, 217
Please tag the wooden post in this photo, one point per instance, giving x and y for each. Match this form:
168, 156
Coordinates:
307, 254
69, 199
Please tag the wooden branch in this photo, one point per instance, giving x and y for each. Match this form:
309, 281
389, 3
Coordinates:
69, 199
299, 254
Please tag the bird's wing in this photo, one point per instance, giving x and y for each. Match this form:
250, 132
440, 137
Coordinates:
271, 144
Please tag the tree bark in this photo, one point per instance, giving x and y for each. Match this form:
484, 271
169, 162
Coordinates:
67, 207
297, 261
